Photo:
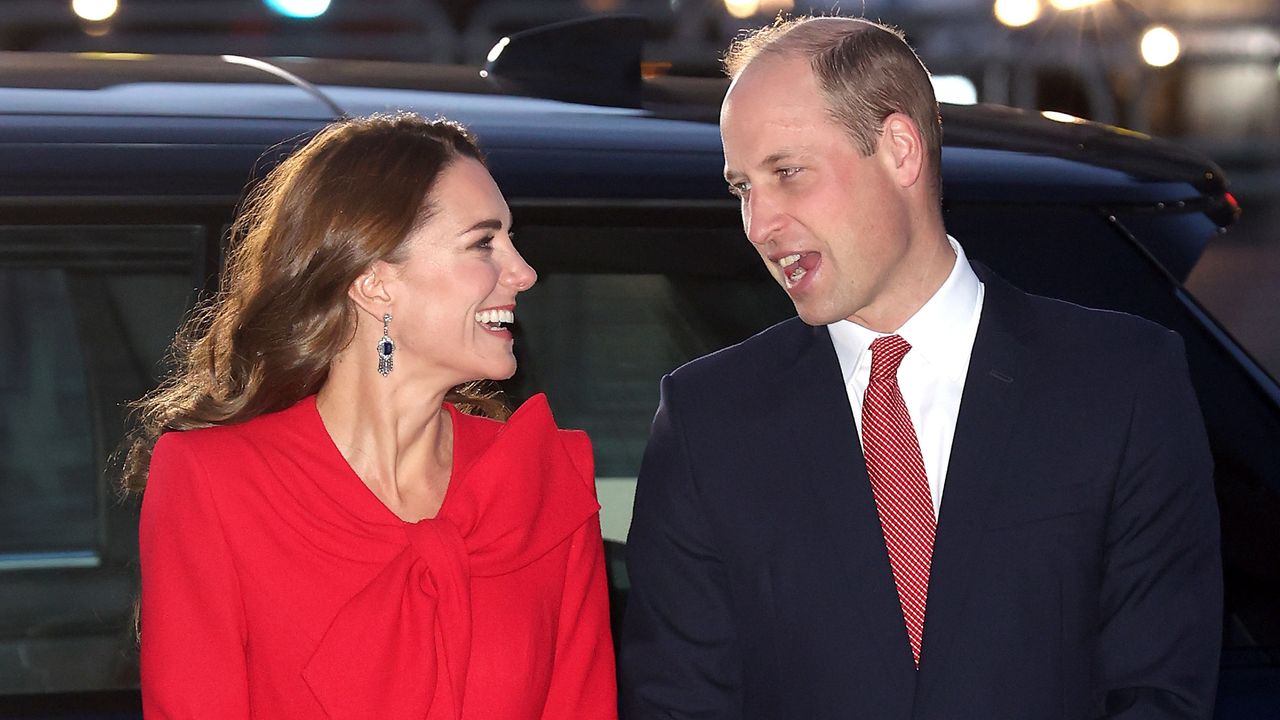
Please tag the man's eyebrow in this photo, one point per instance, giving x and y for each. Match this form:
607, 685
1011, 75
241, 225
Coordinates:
770, 160
780, 156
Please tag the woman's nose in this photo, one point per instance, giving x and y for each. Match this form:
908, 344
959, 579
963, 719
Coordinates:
521, 275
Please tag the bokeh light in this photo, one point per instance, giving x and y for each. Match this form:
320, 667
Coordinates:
299, 8
1017, 13
1160, 46
954, 89
742, 8
497, 49
1058, 116
1072, 4
95, 10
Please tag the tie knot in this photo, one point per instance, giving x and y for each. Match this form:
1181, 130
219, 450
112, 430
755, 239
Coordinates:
886, 354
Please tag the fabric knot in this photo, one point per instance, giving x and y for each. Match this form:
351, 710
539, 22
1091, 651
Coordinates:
886, 355
528, 491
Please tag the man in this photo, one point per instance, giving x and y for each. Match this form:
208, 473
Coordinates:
931, 495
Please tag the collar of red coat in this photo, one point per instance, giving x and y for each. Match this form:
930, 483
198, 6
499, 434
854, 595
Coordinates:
409, 630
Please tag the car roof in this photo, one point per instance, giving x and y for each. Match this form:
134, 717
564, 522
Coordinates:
70, 123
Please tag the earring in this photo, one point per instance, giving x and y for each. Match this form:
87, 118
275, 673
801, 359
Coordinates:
386, 347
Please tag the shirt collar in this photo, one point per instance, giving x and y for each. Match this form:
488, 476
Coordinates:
940, 332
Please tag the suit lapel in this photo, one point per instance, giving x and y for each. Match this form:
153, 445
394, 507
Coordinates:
833, 473
989, 410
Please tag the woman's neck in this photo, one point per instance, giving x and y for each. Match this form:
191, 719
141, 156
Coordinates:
395, 434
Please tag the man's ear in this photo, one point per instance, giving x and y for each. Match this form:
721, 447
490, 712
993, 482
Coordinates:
900, 139
370, 291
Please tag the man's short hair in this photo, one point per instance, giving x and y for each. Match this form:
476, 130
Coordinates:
866, 71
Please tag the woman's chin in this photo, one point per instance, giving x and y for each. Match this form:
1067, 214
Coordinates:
500, 373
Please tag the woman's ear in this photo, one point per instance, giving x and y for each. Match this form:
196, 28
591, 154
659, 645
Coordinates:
370, 291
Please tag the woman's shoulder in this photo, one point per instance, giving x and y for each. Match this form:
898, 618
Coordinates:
529, 435
533, 417
234, 443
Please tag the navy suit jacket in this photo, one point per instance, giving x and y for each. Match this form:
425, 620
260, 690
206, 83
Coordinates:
1075, 572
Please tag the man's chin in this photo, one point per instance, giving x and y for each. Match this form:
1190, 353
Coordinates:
815, 318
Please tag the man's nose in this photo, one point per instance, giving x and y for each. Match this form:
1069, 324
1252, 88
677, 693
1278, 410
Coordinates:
761, 217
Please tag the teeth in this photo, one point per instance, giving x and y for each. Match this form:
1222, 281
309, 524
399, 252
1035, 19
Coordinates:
795, 275
789, 260
489, 317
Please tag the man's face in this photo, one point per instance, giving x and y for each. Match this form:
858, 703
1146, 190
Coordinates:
830, 224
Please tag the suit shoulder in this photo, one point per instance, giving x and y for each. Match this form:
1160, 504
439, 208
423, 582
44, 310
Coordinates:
1096, 328
1101, 343
743, 362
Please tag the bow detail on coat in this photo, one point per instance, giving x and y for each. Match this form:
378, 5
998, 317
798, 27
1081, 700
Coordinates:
409, 629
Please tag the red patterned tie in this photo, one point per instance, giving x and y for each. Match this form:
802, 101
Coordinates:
899, 484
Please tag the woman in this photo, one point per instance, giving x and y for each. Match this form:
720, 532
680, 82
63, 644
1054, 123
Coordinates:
329, 535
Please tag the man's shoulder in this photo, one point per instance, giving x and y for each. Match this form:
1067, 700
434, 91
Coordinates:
1070, 328
767, 351
1090, 322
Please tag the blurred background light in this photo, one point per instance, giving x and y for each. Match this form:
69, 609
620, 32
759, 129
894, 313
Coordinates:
1072, 4
497, 49
954, 89
1017, 13
299, 8
1061, 117
748, 8
94, 10
1160, 46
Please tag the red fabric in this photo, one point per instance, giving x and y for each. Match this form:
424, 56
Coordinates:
899, 484
276, 585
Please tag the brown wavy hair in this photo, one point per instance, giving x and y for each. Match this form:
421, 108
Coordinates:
348, 197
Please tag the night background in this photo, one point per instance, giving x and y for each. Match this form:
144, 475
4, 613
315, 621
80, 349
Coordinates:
1204, 74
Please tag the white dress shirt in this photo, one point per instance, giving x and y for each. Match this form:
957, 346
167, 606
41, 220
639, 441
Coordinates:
932, 374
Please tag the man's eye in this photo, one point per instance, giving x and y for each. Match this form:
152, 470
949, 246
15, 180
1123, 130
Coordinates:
787, 172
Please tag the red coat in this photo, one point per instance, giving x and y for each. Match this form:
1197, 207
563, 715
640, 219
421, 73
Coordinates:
276, 585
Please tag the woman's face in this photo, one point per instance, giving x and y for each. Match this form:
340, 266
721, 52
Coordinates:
454, 297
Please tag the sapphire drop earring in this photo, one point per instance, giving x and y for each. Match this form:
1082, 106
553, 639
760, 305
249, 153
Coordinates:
386, 347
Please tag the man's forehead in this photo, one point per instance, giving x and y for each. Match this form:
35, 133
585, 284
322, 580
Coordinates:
783, 84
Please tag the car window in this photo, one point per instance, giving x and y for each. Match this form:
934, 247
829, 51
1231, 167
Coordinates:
609, 317
46, 446
88, 313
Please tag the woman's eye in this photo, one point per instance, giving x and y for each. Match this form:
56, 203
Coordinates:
485, 243
739, 189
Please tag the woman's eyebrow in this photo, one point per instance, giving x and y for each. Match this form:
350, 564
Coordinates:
487, 224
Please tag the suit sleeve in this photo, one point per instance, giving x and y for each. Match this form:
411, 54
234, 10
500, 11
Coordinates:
192, 620
1161, 600
583, 683
679, 655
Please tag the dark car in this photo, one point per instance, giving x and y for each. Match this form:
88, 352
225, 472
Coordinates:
119, 175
